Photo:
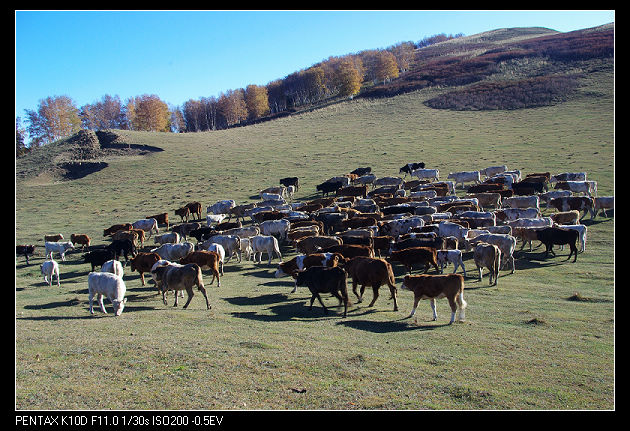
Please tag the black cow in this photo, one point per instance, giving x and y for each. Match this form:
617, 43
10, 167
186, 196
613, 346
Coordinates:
98, 257
437, 243
551, 236
203, 233
362, 171
410, 167
290, 181
525, 187
329, 187
321, 279
122, 246
25, 250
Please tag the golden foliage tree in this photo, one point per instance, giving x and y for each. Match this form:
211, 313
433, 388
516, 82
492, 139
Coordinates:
148, 113
56, 117
256, 101
348, 77
105, 114
232, 107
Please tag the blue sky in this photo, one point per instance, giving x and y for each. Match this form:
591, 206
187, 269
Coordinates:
182, 55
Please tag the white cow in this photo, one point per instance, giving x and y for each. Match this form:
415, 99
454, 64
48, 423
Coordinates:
167, 238
221, 207
581, 230
521, 202
568, 176
58, 247
231, 244
604, 203
147, 225
218, 249
214, 218
279, 228
430, 174
243, 232
446, 228
365, 179
113, 266
388, 181
48, 269
264, 244
465, 177
400, 226
531, 222
511, 214
587, 187
493, 170
174, 252
445, 257
110, 285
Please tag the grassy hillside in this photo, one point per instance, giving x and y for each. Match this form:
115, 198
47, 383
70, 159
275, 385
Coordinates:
530, 343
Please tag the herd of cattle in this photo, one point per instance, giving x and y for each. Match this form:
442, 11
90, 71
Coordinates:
368, 224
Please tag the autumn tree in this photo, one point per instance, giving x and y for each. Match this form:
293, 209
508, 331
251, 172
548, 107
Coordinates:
348, 79
256, 101
404, 53
148, 113
108, 113
56, 117
232, 107
20, 138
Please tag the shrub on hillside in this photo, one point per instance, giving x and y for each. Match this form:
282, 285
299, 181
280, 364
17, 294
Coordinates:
525, 93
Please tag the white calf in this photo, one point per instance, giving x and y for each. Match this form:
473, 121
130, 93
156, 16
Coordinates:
113, 266
444, 257
147, 225
266, 244
110, 285
58, 247
49, 268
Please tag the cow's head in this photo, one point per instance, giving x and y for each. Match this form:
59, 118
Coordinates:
119, 306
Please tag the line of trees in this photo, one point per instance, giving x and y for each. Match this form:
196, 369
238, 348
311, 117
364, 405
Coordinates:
344, 76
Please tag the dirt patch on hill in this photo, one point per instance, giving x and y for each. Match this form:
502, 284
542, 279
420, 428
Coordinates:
76, 157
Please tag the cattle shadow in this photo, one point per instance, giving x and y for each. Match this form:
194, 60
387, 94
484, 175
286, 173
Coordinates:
386, 327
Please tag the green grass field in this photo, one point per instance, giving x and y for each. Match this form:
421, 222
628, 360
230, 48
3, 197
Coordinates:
528, 344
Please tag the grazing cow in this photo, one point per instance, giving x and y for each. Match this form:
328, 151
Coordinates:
217, 218
231, 244
161, 218
487, 200
529, 187
486, 188
398, 227
506, 243
465, 177
369, 271
415, 255
147, 225
603, 203
444, 257
143, 262
310, 244
264, 244
48, 269
328, 187
184, 213
184, 229
98, 257
488, 256
410, 167
25, 250
58, 247
320, 279
352, 191
53, 238
170, 238
131, 235
80, 238
202, 233
178, 278
277, 228
113, 266
587, 187
388, 181
580, 203
565, 217
123, 247
195, 209
426, 174
110, 285
551, 236
174, 252
434, 287
361, 171
117, 227
290, 181
205, 260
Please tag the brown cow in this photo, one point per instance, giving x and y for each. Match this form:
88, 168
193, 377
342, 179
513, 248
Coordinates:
178, 278
117, 227
184, 213
161, 218
53, 238
488, 256
205, 260
368, 271
433, 287
350, 250
143, 262
195, 209
415, 255
80, 238
311, 244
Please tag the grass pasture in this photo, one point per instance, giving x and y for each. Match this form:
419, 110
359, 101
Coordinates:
542, 340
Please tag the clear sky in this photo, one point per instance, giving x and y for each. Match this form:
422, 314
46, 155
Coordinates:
182, 55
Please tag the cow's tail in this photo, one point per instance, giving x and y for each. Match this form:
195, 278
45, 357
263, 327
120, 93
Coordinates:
276, 248
199, 277
460, 298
